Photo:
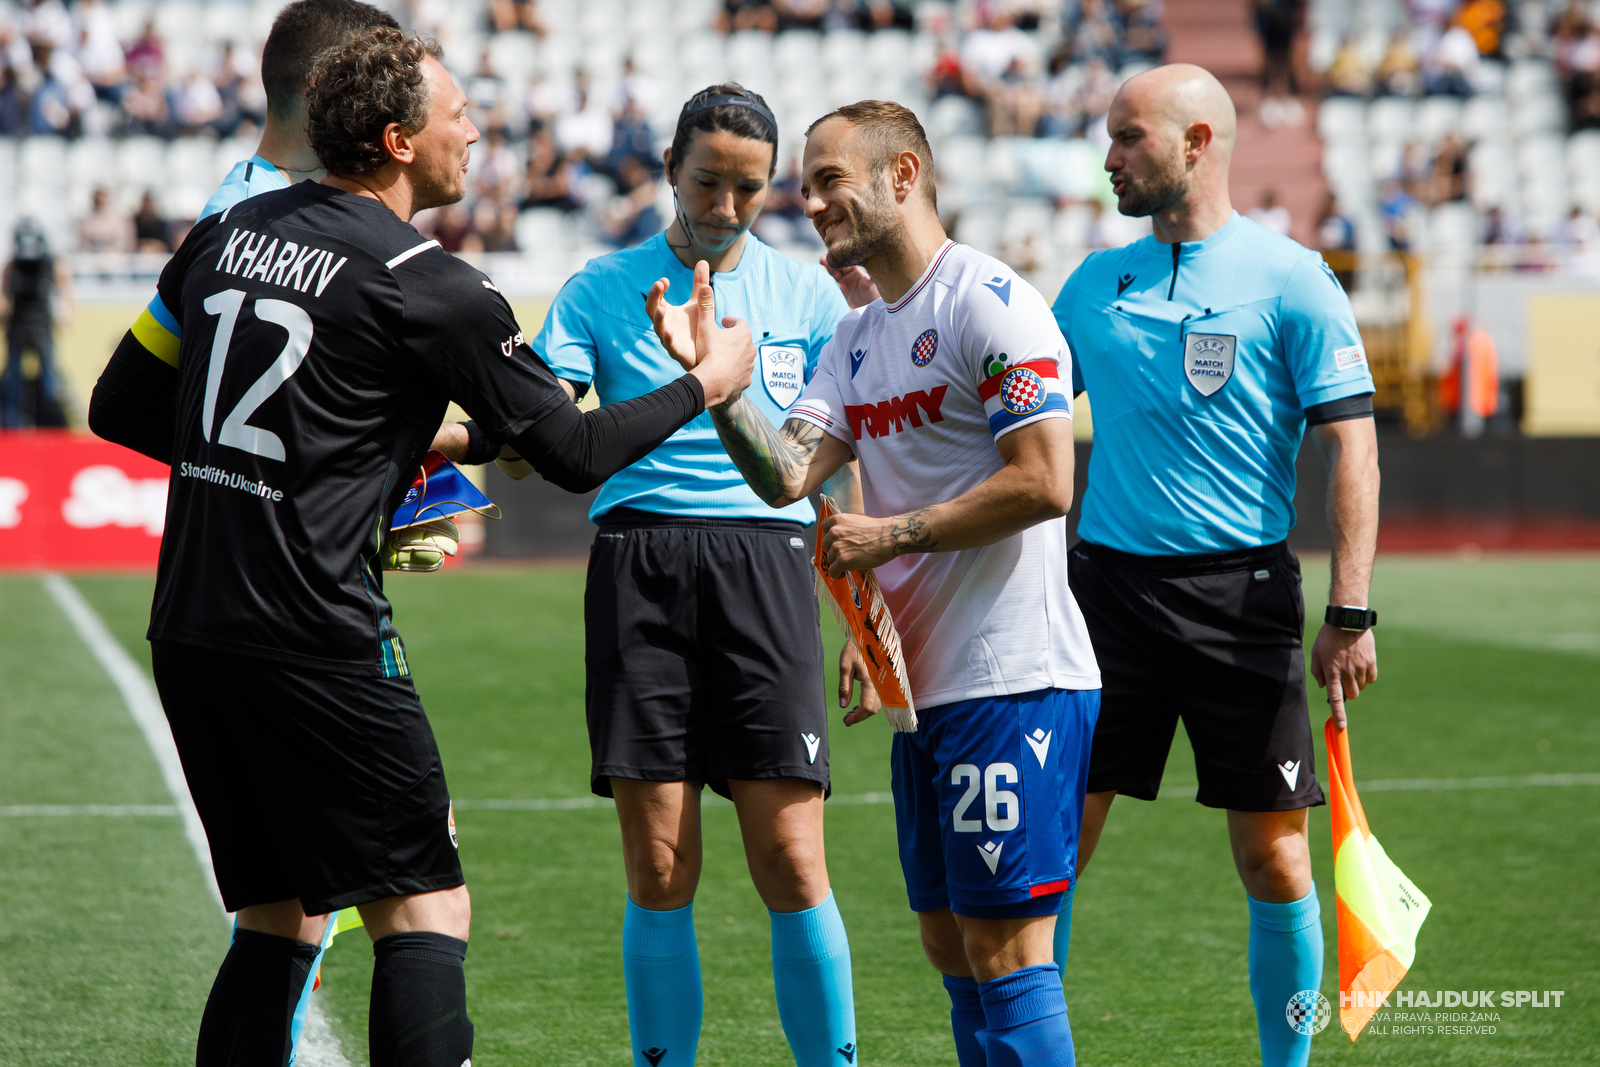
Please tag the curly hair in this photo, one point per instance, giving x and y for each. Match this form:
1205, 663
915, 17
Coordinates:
360, 86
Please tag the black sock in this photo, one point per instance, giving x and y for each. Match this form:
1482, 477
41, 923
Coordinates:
418, 1016
252, 1002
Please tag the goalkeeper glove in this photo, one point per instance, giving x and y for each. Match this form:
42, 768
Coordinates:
422, 547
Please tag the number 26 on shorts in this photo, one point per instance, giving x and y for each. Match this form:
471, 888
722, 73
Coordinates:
1001, 808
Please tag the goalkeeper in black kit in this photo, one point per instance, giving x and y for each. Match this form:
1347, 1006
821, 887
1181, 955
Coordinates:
296, 366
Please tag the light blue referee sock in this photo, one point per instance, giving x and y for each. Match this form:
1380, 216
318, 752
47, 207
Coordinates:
1064, 931
1285, 957
811, 971
966, 1020
1025, 1020
661, 968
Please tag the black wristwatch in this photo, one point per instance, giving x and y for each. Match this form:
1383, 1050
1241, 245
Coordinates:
1346, 617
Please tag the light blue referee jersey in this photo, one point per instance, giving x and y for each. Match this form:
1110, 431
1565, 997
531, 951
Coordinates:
1200, 360
249, 178
597, 332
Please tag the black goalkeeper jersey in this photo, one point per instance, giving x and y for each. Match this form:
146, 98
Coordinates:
321, 341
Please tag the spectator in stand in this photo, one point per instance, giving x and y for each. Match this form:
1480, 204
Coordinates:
1271, 214
1400, 70
632, 138
147, 109
151, 232
737, 15
99, 51
1099, 88
1500, 229
1091, 34
1581, 231
1347, 75
551, 179
631, 217
104, 228
888, 14
585, 125
1451, 66
506, 16
452, 225
13, 104
801, 14
1395, 209
988, 51
1015, 103
1485, 20
47, 22
1583, 101
493, 229
1336, 231
1277, 22
945, 77
1062, 96
147, 56
1143, 31
50, 108
494, 169
1450, 171
35, 293
198, 104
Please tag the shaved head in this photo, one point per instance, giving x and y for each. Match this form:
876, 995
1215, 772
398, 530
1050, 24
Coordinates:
1172, 132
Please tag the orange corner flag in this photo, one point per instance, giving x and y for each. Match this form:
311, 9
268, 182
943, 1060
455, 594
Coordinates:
1379, 909
857, 603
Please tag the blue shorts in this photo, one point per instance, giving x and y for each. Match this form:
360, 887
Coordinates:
988, 801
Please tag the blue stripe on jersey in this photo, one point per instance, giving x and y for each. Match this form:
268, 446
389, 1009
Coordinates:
247, 178
1004, 420
159, 312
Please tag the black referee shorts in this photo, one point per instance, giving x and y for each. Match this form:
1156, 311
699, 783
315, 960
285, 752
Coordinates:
704, 652
1217, 641
311, 785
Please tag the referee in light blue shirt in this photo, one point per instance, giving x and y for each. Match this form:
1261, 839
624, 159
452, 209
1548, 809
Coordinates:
1207, 349
704, 657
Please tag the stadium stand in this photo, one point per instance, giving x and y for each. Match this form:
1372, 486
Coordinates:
577, 101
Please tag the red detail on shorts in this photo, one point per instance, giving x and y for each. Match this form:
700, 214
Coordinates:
1050, 887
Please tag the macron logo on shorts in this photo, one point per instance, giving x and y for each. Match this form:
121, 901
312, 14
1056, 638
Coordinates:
812, 741
1290, 769
990, 851
1039, 741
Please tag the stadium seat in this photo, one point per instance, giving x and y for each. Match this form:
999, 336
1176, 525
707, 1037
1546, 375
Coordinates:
1070, 228
1340, 118
42, 161
979, 225
189, 162
1437, 116
512, 56
844, 50
798, 53
1390, 118
1485, 117
954, 116
1539, 111
1028, 217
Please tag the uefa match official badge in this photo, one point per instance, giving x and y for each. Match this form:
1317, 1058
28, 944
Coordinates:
1208, 360
1022, 391
924, 347
783, 372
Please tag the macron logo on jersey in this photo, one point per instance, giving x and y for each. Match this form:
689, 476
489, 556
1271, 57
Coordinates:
248, 255
891, 416
1000, 288
856, 359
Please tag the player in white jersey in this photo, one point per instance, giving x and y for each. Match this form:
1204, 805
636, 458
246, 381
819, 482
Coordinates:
952, 391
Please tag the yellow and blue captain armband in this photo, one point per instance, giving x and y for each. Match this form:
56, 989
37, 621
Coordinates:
158, 331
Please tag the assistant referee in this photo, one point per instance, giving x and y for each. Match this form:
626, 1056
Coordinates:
307, 345
1207, 349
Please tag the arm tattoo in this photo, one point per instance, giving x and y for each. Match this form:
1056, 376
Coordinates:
913, 534
773, 461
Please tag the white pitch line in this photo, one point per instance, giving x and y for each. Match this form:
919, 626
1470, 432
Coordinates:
28, 811
319, 1046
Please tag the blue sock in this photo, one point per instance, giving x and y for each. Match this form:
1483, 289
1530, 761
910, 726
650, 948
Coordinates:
661, 968
1285, 957
297, 1025
1025, 1019
811, 972
1064, 931
966, 1020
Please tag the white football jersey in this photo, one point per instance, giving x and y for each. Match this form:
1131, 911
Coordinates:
921, 390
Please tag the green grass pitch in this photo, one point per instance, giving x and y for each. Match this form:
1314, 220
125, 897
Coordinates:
109, 940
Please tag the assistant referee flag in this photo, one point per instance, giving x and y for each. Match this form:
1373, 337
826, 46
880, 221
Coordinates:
1379, 909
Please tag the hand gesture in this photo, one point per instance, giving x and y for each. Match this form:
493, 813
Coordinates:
852, 669
1343, 662
854, 542
857, 285
722, 357
678, 325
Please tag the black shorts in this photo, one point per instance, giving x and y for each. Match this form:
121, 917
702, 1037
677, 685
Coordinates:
1216, 640
704, 652
311, 785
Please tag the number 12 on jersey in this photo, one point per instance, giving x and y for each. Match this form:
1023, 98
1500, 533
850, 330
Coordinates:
235, 433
